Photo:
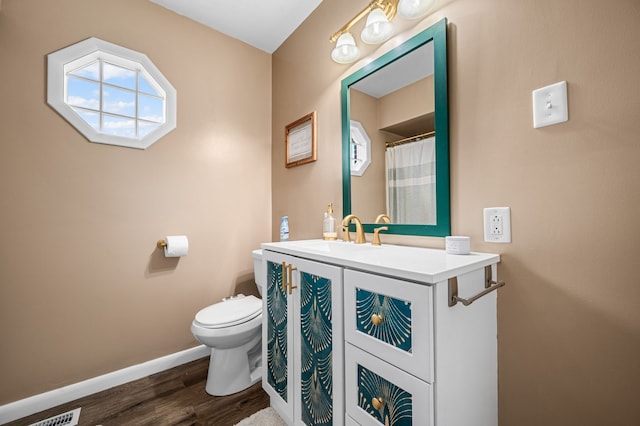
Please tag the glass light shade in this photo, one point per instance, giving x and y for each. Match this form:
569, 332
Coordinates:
413, 9
377, 29
346, 50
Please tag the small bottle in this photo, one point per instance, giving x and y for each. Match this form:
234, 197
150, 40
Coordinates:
284, 228
329, 225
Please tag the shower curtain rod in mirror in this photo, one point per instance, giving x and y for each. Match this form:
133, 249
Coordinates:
410, 139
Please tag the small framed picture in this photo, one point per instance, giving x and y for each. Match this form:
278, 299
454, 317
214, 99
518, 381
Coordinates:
300, 141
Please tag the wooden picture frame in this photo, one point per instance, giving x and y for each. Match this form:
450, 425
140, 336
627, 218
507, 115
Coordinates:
300, 141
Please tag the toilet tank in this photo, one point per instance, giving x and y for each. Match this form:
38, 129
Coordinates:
257, 269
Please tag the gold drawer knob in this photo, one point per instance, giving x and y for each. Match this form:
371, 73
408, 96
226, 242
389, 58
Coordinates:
377, 403
376, 319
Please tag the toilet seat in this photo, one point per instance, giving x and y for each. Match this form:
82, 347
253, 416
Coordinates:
229, 312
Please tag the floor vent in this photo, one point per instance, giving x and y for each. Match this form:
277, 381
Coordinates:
70, 418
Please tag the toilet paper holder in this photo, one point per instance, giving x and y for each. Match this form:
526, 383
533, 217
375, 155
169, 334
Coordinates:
174, 245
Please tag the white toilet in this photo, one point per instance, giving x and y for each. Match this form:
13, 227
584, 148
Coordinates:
232, 329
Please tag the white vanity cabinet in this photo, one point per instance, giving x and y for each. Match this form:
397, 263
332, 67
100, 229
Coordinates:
389, 351
413, 360
303, 341
413, 353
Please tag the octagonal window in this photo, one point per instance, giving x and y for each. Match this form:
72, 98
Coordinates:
111, 94
360, 149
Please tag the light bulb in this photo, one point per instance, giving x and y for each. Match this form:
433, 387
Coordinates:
377, 29
413, 9
346, 50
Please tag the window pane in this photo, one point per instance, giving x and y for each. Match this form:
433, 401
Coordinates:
118, 101
92, 118
145, 87
82, 93
106, 93
118, 76
151, 109
146, 128
117, 126
91, 71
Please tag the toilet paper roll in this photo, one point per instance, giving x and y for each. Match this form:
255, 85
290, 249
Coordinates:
177, 245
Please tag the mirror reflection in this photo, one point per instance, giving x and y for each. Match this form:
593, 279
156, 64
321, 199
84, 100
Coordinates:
398, 105
394, 107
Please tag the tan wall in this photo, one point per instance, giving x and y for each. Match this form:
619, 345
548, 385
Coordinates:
368, 191
83, 290
568, 320
406, 103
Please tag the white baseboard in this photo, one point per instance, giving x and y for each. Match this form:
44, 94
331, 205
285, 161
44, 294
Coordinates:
44, 401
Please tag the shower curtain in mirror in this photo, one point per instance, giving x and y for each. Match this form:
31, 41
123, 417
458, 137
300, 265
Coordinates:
411, 182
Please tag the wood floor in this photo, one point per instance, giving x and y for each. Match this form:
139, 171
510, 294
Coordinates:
172, 397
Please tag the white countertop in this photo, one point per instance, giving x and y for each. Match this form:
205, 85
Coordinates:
411, 263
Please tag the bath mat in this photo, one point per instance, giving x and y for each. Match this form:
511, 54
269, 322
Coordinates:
265, 417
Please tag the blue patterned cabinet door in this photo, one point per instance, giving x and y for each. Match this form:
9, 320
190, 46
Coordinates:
316, 332
277, 374
395, 326
384, 401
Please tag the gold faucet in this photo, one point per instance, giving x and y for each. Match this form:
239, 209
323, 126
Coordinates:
360, 239
376, 235
383, 218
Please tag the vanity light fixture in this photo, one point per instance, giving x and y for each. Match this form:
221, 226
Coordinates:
378, 27
414, 9
346, 50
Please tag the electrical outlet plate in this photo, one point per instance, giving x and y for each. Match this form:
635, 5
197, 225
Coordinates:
497, 225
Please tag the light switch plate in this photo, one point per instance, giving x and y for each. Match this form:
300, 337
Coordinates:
550, 105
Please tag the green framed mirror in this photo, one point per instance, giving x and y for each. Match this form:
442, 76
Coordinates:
400, 102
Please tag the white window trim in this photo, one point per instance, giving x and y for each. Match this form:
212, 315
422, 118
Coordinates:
57, 87
360, 137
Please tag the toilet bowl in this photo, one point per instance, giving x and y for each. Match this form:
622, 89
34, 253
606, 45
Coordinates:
232, 329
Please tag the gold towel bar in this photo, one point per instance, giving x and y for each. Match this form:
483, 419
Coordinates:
489, 286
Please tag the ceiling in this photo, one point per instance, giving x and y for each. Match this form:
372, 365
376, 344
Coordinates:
407, 70
267, 24
262, 24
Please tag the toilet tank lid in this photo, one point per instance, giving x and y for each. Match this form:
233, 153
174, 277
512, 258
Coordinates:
230, 311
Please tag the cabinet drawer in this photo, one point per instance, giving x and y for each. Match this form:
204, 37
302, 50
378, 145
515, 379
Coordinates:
380, 394
392, 319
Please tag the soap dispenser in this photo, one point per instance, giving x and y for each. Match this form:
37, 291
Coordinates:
329, 225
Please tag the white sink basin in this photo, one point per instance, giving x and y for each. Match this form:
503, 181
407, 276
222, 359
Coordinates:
337, 247
413, 263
